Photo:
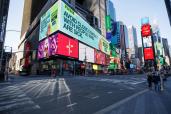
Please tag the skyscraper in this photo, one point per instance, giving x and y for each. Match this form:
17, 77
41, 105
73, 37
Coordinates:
111, 9
133, 43
168, 7
166, 50
4, 6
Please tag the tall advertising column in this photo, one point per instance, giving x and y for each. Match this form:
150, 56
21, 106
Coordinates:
147, 43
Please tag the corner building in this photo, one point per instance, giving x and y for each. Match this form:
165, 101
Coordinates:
64, 37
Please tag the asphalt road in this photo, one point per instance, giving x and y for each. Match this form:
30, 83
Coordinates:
72, 95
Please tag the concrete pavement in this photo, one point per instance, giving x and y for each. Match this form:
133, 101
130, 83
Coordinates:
74, 95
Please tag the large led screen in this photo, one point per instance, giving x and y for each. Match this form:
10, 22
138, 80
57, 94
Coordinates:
49, 22
67, 46
43, 49
104, 46
147, 42
146, 30
148, 54
85, 50
63, 18
99, 57
58, 44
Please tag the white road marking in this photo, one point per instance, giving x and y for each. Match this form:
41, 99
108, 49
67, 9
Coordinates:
12, 97
95, 97
109, 108
109, 92
70, 105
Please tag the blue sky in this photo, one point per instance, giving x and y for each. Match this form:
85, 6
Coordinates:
131, 12
128, 11
14, 23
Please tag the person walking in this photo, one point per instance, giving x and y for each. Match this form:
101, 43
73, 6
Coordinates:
162, 76
156, 80
149, 79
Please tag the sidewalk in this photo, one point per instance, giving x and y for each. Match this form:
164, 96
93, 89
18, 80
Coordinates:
148, 102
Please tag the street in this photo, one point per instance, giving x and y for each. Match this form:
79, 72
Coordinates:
81, 95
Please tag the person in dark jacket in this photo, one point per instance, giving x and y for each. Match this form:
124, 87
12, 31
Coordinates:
149, 79
156, 80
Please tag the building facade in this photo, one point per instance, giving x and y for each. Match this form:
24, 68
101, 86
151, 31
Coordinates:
132, 41
168, 7
4, 7
167, 55
77, 61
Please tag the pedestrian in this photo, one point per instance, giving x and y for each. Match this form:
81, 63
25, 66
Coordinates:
162, 77
149, 79
156, 80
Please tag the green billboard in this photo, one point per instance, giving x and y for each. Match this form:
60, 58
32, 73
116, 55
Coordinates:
108, 23
49, 22
63, 18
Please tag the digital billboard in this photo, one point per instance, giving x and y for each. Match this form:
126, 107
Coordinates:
146, 30
63, 18
58, 44
147, 42
67, 46
148, 54
104, 46
85, 50
49, 22
43, 49
99, 57
72, 24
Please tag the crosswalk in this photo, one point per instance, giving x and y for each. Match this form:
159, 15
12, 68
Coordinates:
19, 98
15, 100
130, 81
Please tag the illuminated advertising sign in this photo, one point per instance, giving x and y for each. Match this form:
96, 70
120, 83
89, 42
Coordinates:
72, 24
148, 54
108, 23
43, 49
63, 18
83, 49
67, 46
27, 58
147, 42
104, 46
99, 57
58, 44
146, 30
48, 47
49, 22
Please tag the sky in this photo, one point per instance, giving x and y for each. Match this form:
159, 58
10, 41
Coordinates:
128, 11
14, 23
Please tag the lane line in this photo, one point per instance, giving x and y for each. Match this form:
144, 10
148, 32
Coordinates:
95, 97
109, 108
70, 105
109, 92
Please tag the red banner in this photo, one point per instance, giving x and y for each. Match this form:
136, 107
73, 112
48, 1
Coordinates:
146, 30
100, 57
148, 54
